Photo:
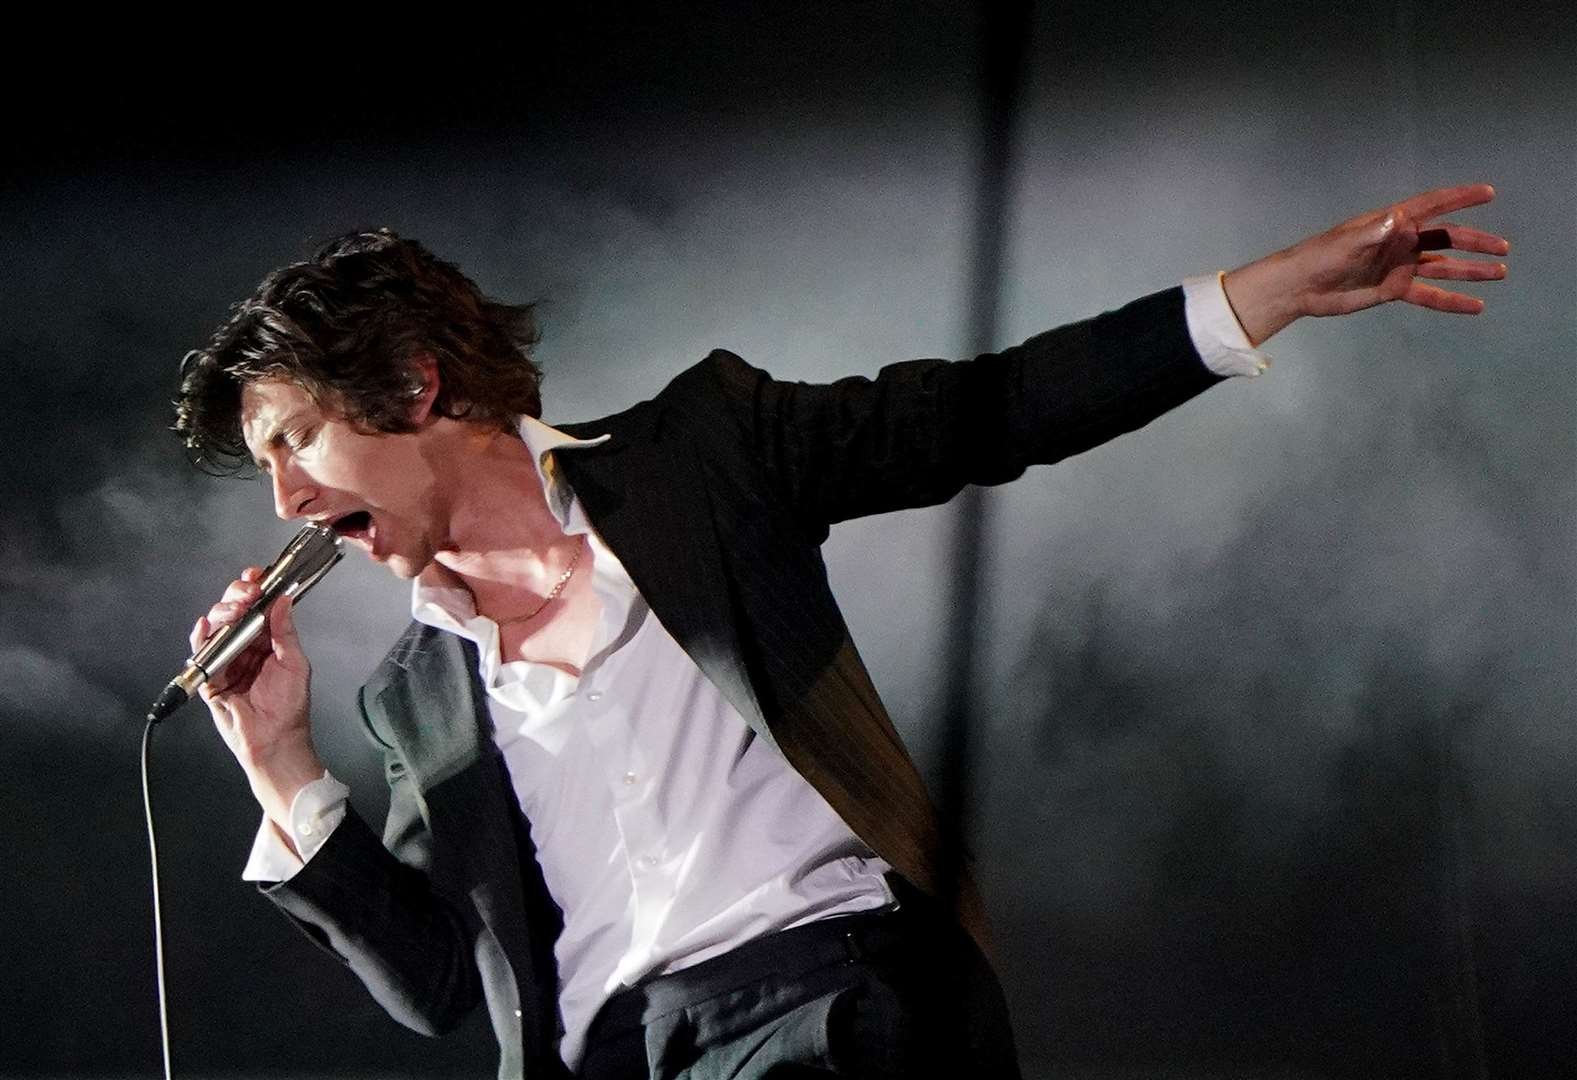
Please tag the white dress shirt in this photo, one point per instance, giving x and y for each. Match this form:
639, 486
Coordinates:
667, 832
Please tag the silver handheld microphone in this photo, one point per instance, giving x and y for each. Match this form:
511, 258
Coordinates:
310, 555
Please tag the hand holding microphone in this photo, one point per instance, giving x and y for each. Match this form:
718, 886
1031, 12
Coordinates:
241, 615
248, 666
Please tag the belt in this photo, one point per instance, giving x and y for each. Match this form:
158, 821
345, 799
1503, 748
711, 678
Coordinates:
784, 955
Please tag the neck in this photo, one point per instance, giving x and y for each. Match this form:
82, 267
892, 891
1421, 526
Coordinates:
502, 542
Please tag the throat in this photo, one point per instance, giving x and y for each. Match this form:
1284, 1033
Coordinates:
537, 589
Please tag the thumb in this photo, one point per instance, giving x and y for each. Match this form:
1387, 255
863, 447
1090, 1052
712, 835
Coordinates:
282, 628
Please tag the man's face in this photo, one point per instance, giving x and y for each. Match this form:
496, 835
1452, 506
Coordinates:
375, 490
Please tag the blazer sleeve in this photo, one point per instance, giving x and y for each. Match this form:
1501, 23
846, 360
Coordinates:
373, 906
922, 429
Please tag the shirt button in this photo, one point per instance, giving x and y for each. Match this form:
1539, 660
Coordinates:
646, 862
305, 828
595, 695
517, 1014
629, 778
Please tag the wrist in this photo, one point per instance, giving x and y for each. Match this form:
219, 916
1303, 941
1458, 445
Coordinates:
279, 773
1265, 295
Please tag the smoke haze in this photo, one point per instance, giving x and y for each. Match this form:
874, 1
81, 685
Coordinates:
1275, 753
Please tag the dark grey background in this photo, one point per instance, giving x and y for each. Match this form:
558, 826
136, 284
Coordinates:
1276, 764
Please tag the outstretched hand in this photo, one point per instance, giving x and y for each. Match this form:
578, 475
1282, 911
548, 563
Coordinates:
1371, 259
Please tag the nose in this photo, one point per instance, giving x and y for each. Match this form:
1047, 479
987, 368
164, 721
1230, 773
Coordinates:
292, 494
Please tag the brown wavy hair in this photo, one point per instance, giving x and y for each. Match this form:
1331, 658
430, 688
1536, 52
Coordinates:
348, 326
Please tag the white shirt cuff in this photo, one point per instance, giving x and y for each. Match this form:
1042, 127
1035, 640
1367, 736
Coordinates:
1218, 336
316, 811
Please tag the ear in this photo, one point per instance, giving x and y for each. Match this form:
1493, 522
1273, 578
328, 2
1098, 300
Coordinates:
423, 396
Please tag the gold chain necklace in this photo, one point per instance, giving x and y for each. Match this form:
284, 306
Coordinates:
553, 593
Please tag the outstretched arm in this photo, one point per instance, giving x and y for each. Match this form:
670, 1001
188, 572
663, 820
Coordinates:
1371, 259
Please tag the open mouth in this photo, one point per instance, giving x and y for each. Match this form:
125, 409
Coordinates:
353, 526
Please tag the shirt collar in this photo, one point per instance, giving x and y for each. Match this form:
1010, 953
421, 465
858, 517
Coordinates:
542, 441
437, 597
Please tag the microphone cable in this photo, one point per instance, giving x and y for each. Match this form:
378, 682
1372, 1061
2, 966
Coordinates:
311, 553
158, 920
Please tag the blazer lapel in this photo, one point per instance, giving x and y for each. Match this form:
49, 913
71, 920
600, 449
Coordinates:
648, 501
437, 714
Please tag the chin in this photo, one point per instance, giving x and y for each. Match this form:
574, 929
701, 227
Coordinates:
403, 566
404, 569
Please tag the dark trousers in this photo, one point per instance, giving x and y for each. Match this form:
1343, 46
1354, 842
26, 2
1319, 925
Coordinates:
897, 993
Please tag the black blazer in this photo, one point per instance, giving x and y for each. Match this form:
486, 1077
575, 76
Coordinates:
716, 495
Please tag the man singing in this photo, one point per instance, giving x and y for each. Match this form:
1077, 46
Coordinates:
644, 800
